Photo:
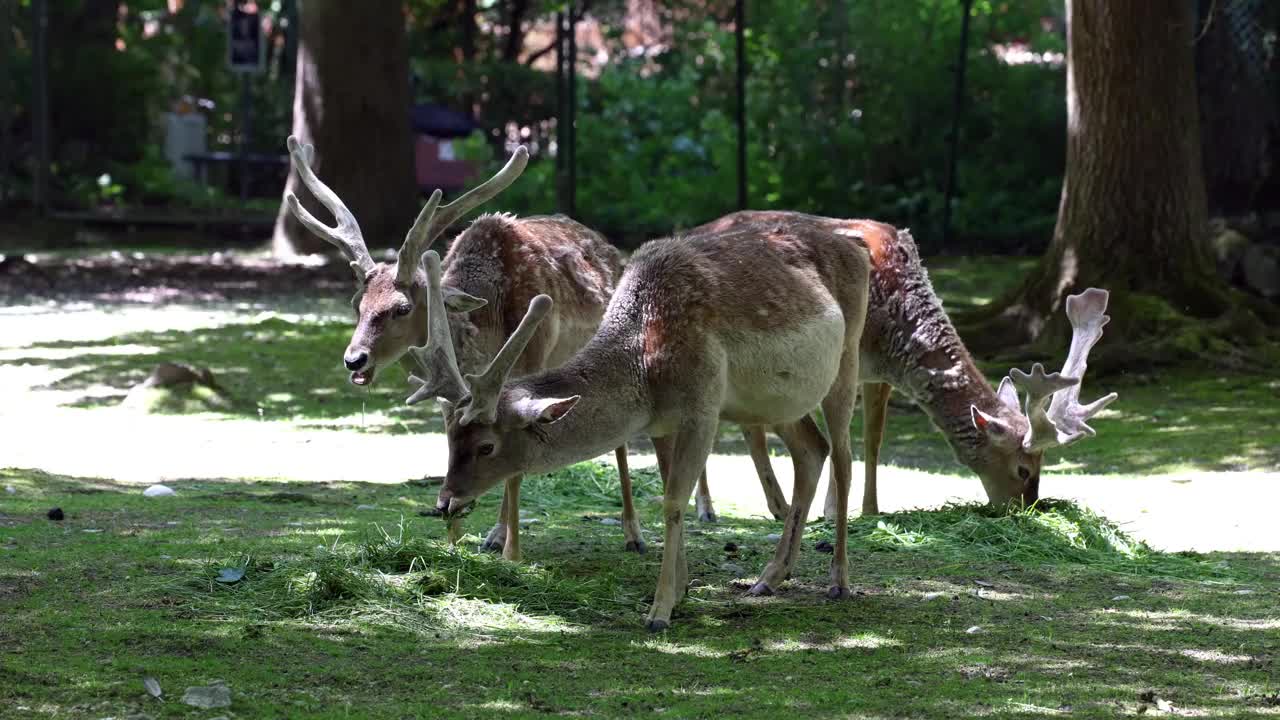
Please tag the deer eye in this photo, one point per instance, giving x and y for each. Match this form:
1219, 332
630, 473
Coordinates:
486, 449
402, 310
1024, 473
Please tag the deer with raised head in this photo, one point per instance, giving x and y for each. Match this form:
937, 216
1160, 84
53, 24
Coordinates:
493, 269
909, 344
758, 325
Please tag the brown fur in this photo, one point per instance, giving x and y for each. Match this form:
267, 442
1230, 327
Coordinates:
758, 323
910, 344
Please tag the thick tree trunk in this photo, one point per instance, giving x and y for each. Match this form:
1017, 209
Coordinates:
351, 101
1132, 213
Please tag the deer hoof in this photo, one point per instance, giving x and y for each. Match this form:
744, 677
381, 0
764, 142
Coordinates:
760, 589
656, 626
838, 592
707, 516
636, 546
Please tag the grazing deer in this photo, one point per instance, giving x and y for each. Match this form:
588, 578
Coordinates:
758, 324
492, 271
910, 344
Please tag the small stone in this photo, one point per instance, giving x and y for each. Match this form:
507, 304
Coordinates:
773, 537
933, 595
733, 569
212, 696
1118, 598
56, 514
158, 491
366, 507
610, 521
10, 489
974, 630
983, 583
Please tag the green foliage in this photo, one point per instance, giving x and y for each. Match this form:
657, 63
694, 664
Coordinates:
849, 112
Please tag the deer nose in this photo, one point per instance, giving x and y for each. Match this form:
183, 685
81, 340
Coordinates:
355, 359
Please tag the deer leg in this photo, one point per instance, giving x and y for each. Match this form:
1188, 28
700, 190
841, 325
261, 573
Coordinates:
630, 523
875, 409
702, 500
754, 436
453, 530
511, 506
837, 407
493, 542
808, 450
687, 453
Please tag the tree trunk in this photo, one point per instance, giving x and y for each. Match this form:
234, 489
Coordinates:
351, 100
1133, 214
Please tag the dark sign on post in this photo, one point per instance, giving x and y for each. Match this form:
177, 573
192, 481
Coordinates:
245, 47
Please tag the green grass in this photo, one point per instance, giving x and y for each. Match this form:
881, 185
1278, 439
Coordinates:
351, 605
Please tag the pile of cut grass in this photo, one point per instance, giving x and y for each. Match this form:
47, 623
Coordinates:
401, 577
1051, 532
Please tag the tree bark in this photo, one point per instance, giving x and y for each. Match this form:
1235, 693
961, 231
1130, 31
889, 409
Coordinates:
351, 100
1132, 216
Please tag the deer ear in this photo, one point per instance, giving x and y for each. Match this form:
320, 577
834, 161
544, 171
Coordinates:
456, 301
987, 424
544, 410
1008, 394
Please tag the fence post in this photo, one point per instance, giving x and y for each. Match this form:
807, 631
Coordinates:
956, 109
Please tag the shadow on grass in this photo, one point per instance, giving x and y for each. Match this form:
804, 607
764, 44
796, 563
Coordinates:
357, 611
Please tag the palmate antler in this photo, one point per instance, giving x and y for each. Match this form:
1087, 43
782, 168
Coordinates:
346, 236
1063, 421
434, 220
439, 363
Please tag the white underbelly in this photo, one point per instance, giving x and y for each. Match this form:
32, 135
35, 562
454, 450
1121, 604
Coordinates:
780, 376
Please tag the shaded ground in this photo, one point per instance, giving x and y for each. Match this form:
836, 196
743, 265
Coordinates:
351, 606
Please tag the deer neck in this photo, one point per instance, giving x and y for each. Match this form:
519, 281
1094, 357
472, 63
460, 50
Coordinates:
910, 343
613, 406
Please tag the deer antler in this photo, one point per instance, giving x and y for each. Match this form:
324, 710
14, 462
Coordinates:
1039, 387
346, 236
436, 359
1063, 422
432, 222
1086, 313
486, 386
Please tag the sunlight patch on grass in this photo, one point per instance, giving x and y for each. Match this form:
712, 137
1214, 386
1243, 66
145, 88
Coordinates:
671, 647
862, 641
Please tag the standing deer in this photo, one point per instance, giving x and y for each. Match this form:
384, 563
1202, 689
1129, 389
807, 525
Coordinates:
910, 344
492, 271
758, 324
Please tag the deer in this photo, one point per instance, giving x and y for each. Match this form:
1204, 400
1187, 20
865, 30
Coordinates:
493, 268
758, 324
910, 344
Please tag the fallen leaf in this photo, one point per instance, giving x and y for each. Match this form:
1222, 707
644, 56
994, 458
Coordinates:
230, 575
212, 696
152, 686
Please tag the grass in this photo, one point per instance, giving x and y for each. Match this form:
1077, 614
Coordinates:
351, 605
